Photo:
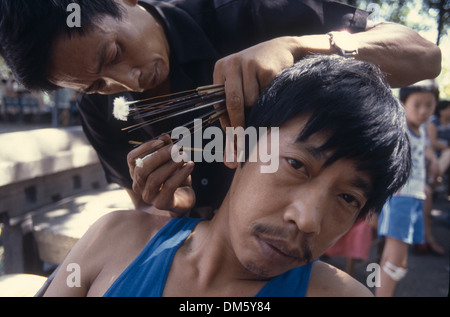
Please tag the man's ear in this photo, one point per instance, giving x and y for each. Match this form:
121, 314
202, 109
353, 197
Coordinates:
230, 155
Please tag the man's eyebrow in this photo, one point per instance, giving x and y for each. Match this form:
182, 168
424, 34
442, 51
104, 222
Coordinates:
320, 155
363, 184
315, 152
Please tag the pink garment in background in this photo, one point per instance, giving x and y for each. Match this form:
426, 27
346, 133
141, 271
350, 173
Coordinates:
355, 244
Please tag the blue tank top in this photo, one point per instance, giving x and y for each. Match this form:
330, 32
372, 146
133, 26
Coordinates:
146, 276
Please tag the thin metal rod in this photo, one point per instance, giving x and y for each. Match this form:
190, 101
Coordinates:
201, 90
153, 121
151, 110
188, 101
205, 122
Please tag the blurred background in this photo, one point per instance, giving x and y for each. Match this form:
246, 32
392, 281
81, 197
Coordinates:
430, 18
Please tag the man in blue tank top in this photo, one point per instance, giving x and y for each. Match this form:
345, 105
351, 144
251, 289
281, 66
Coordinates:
342, 150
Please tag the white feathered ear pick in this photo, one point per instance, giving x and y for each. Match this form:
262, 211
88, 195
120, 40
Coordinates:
121, 109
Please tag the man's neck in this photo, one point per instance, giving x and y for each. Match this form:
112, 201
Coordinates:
206, 265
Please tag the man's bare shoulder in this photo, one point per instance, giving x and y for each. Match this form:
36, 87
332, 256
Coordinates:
125, 231
327, 280
106, 249
122, 221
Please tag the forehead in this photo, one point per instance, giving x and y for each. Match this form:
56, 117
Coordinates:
421, 97
314, 144
74, 57
292, 129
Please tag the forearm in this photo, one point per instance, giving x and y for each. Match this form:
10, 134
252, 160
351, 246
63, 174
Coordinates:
438, 145
429, 154
432, 134
400, 52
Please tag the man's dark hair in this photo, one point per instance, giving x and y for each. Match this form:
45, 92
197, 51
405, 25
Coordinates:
28, 29
351, 100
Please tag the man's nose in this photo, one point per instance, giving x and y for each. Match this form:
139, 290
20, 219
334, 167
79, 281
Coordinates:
307, 210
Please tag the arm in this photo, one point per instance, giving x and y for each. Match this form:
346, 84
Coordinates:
432, 163
399, 51
104, 252
432, 136
328, 281
84, 254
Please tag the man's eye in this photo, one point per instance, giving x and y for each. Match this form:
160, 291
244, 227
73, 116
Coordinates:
95, 87
295, 164
351, 200
116, 55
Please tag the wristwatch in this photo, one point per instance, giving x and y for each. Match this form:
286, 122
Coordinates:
344, 43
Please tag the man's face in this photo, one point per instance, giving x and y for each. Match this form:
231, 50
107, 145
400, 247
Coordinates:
127, 55
282, 220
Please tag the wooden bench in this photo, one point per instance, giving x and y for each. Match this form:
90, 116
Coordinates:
56, 228
37, 169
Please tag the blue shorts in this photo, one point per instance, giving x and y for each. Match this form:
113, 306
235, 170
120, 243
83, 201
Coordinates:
402, 219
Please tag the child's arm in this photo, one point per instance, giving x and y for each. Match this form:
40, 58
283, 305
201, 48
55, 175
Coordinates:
432, 162
432, 136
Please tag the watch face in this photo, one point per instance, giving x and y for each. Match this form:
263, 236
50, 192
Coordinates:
344, 42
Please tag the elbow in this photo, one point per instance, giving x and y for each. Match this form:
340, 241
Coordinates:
435, 60
431, 58
428, 65
428, 56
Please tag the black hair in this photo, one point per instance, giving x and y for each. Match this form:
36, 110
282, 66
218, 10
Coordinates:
28, 29
428, 85
442, 105
351, 100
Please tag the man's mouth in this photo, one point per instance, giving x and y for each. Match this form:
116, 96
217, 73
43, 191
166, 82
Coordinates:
280, 248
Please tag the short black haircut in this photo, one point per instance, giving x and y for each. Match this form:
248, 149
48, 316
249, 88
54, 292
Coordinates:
427, 85
28, 29
351, 100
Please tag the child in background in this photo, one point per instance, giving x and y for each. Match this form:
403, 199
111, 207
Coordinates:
401, 221
439, 133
